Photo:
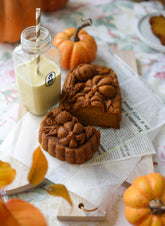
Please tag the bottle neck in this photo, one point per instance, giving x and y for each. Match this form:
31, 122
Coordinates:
29, 43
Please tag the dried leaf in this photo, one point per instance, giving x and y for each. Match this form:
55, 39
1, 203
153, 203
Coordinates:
59, 190
17, 212
39, 167
7, 174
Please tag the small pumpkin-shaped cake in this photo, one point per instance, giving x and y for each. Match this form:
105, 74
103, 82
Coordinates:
65, 138
145, 201
76, 46
92, 94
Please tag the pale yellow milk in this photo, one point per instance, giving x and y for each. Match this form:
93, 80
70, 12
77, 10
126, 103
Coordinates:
39, 92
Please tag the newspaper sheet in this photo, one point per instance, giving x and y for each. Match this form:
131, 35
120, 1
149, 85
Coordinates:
119, 150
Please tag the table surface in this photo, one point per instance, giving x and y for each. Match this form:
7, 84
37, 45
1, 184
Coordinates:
114, 23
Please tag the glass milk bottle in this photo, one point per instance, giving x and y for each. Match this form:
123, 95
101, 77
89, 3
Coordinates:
37, 70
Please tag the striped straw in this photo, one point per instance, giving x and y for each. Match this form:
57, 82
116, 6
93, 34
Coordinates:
38, 12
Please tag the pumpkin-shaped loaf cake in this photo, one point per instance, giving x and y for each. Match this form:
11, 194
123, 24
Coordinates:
92, 94
65, 138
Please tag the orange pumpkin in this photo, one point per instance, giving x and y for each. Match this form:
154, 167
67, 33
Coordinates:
76, 46
52, 5
145, 201
15, 16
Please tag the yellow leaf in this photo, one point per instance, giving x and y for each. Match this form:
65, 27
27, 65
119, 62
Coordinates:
16, 212
7, 174
39, 167
59, 190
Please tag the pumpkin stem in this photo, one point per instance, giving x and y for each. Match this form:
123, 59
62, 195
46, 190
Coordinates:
86, 23
157, 206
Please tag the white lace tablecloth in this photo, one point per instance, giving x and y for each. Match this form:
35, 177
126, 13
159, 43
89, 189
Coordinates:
114, 23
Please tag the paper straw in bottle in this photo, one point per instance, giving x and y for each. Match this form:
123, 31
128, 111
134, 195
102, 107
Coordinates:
38, 12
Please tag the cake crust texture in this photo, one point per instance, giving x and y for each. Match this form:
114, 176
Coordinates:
158, 27
64, 137
92, 94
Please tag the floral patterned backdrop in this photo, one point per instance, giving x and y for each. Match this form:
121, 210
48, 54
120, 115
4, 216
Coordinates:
114, 23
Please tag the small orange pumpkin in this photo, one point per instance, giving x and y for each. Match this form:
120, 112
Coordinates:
76, 46
145, 201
